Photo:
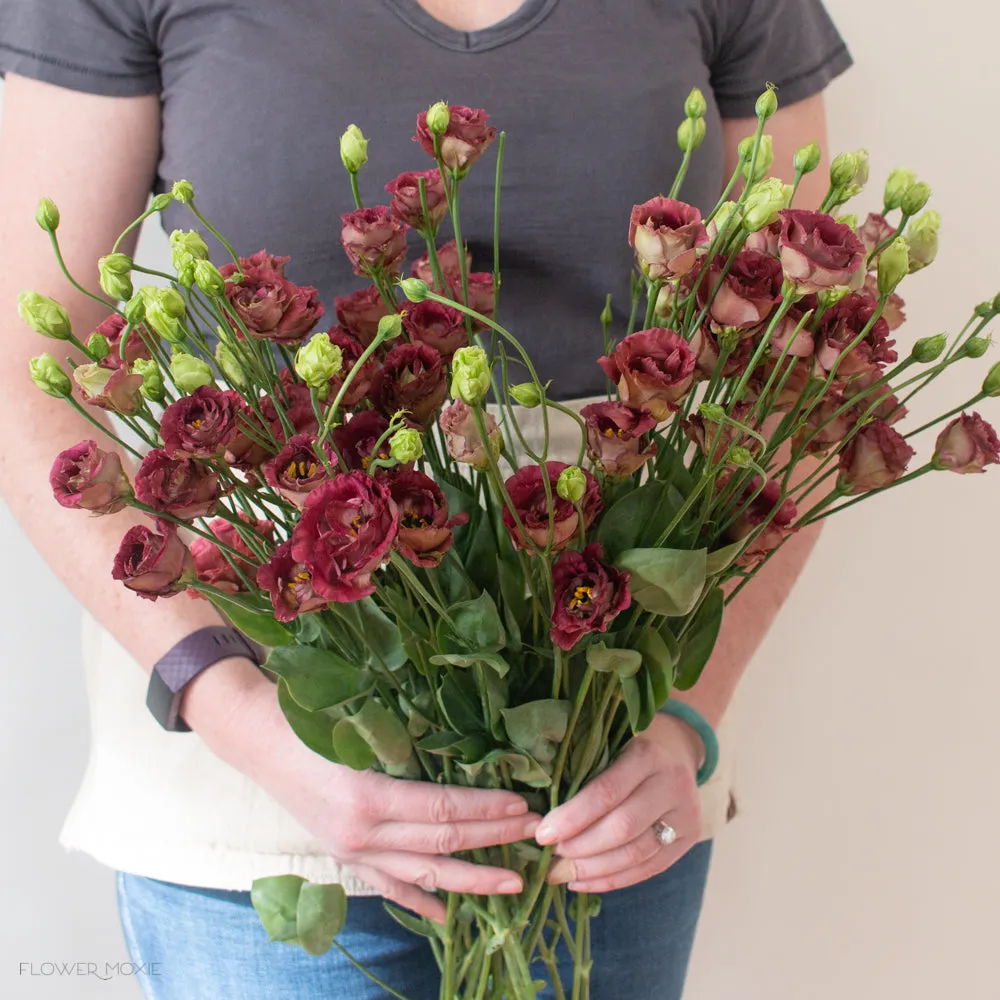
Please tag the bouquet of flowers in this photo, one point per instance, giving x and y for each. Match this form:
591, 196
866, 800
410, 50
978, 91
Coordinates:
441, 600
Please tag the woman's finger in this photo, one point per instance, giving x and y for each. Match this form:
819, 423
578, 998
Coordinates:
431, 872
449, 838
596, 799
659, 862
424, 802
408, 896
629, 855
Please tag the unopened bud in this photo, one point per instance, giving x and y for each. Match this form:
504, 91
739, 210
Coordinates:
229, 365
571, 484
991, 384
98, 347
209, 279
765, 157
190, 373
390, 327
47, 215
712, 411
807, 158
191, 242
893, 265
47, 374
470, 375
739, 456
915, 197
606, 314
850, 220
976, 347
896, 185
764, 202
986, 309
92, 379
353, 149
695, 105
183, 191
766, 104
831, 296
922, 239
728, 210
152, 387
406, 446
414, 289
164, 309
44, 315
114, 273
317, 361
526, 394
842, 169
928, 349
690, 134
162, 202
438, 118
135, 309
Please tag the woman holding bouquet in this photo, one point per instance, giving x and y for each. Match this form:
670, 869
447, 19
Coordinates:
107, 100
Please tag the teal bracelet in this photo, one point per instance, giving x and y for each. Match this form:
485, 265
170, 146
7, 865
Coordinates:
684, 712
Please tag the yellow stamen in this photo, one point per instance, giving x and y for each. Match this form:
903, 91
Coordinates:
196, 424
581, 596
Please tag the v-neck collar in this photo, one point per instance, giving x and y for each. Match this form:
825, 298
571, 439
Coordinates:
527, 17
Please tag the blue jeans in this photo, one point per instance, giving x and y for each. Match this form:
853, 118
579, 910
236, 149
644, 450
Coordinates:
207, 944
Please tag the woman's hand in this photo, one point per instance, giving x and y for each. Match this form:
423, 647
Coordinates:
393, 833
604, 837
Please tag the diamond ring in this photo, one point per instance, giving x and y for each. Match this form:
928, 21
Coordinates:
664, 833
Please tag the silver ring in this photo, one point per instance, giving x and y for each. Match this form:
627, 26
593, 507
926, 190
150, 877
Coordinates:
665, 834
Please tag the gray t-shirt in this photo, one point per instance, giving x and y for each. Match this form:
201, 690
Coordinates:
256, 94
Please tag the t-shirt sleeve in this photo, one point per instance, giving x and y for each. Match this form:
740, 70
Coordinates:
791, 43
96, 46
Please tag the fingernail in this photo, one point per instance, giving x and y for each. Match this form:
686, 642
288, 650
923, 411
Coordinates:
517, 808
530, 828
562, 871
545, 834
510, 885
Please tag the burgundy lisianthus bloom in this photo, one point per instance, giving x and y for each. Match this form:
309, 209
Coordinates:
747, 294
296, 404
351, 350
874, 231
183, 487
244, 449
448, 261
405, 205
214, 568
841, 325
588, 595
356, 439
765, 240
864, 389
200, 425
617, 440
714, 442
153, 564
789, 329
436, 325
527, 492
374, 241
413, 378
653, 370
269, 305
816, 251
298, 468
825, 426
766, 507
111, 389
347, 530
461, 435
893, 312
465, 140
289, 584
112, 328
86, 478
967, 444
664, 234
359, 313
425, 531
481, 294
705, 346
874, 458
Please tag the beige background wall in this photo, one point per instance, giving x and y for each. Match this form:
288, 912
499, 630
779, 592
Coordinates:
863, 864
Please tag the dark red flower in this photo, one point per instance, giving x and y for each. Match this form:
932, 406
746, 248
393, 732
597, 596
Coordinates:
183, 487
86, 478
359, 313
289, 584
112, 328
664, 234
413, 378
200, 425
406, 205
356, 439
705, 347
462, 439
465, 139
111, 389
351, 350
713, 440
874, 458
154, 565
617, 437
748, 292
298, 469
816, 251
588, 595
448, 261
374, 241
295, 401
841, 325
967, 444
212, 565
766, 507
436, 325
425, 533
653, 370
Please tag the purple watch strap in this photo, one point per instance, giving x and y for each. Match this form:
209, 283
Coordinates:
182, 663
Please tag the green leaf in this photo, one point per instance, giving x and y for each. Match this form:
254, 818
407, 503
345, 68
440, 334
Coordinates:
622, 524
494, 695
318, 678
722, 559
381, 634
537, 726
624, 662
491, 660
476, 626
659, 663
416, 925
384, 733
459, 701
665, 581
276, 900
516, 607
523, 767
315, 729
257, 625
700, 640
633, 701
308, 629
320, 916
647, 700
441, 743
351, 747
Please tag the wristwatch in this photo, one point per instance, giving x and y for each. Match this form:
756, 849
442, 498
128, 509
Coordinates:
181, 664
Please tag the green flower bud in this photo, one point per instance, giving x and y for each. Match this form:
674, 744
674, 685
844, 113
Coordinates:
114, 271
766, 104
183, 191
842, 169
229, 364
893, 265
162, 202
995, 305
690, 133
850, 220
928, 349
896, 185
765, 157
135, 310
164, 309
807, 158
414, 289
831, 296
713, 412
860, 178
191, 241
317, 361
390, 327
571, 484
92, 378
354, 149
48, 375
739, 456
606, 314
470, 375
695, 105
922, 239
406, 446
152, 379
189, 372
98, 347
976, 347
764, 202
526, 394
985, 310
44, 315
438, 118
728, 210
47, 215
915, 197
991, 384
209, 279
